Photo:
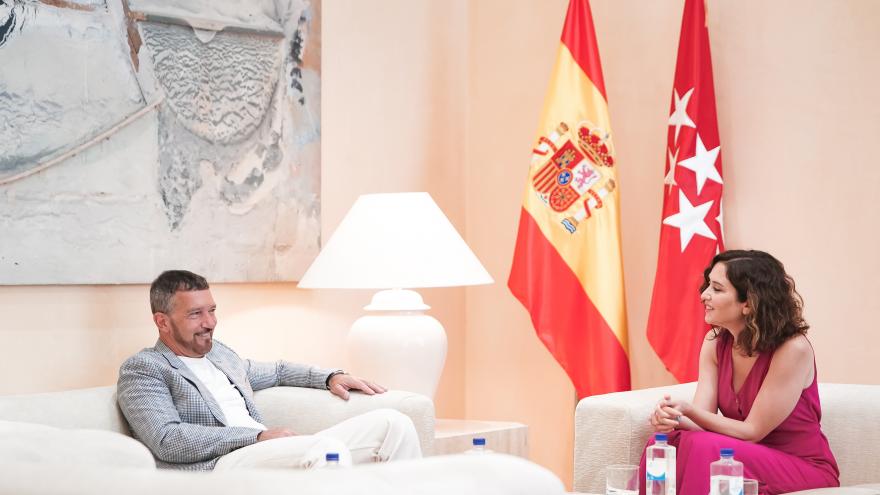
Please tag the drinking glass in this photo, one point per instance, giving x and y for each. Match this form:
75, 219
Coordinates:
750, 487
622, 479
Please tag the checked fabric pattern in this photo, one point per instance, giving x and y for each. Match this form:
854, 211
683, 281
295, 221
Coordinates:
174, 415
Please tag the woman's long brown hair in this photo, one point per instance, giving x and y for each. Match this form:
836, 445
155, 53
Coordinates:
776, 307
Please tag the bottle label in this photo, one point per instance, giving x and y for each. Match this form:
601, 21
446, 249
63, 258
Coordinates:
655, 469
736, 485
725, 485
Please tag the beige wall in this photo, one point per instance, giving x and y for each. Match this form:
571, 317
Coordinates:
798, 114
510, 375
444, 96
384, 130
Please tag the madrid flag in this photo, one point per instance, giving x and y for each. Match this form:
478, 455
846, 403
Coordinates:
567, 268
691, 230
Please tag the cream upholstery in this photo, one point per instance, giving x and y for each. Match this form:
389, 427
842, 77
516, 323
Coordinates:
303, 410
613, 429
76, 443
93, 408
484, 475
296, 408
43, 444
871, 489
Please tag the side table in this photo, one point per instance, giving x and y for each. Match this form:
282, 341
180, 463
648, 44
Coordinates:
454, 436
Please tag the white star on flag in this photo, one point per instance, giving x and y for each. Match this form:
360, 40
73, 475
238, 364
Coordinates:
679, 116
720, 219
690, 220
703, 164
669, 180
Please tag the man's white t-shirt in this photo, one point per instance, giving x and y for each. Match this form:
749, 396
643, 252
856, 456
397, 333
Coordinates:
227, 396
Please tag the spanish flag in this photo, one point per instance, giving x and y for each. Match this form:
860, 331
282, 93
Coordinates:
567, 268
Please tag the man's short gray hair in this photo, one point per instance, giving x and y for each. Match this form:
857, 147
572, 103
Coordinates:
163, 288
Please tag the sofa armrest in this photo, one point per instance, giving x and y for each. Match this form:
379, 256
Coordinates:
612, 429
849, 416
308, 410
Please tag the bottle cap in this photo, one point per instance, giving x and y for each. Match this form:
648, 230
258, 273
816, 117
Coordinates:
660, 437
726, 452
479, 441
332, 456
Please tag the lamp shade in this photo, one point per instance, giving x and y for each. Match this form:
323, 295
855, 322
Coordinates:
395, 241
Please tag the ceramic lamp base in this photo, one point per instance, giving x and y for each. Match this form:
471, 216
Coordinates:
398, 347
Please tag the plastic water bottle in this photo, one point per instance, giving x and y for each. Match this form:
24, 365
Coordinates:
660, 467
478, 446
726, 475
332, 459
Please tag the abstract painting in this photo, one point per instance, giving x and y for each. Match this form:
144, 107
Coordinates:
144, 135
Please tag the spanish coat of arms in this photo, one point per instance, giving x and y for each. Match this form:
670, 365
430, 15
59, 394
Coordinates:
571, 172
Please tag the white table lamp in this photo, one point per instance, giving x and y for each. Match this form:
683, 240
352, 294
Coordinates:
396, 242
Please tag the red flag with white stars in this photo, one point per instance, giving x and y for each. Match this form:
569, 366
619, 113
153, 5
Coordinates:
691, 229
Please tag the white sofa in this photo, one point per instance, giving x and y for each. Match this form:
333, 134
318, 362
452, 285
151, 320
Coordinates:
613, 429
78, 442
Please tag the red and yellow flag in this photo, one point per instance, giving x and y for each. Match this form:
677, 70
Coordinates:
567, 269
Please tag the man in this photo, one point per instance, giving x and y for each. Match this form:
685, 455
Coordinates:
190, 398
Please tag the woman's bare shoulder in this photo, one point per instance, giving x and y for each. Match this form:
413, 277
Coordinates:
710, 345
795, 355
711, 337
796, 347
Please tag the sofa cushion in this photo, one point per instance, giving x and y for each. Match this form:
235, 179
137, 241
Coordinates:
494, 474
844, 490
42, 444
93, 408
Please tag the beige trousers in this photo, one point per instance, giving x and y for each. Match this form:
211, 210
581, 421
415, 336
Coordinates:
376, 436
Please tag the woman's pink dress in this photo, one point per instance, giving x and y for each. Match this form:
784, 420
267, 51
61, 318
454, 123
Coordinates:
794, 456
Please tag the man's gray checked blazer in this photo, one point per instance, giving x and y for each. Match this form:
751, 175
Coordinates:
172, 412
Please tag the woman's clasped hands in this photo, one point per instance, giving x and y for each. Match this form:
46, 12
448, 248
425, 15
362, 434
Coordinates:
667, 414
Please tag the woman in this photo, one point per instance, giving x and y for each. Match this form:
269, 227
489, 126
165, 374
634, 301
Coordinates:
757, 367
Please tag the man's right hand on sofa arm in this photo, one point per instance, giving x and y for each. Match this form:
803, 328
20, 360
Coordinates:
273, 433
